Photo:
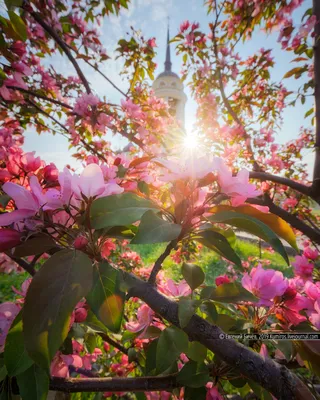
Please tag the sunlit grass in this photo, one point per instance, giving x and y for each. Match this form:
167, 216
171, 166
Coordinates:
211, 263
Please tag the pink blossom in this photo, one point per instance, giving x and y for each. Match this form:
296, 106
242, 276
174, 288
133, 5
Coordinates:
107, 247
222, 279
289, 203
237, 187
265, 284
312, 290
80, 242
9, 238
213, 392
311, 254
91, 183
84, 102
50, 173
152, 42
8, 312
302, 267
314, 317
264, 351
61, 362
132, 109
195, 168
184, 26
174, 289
145, 316
5, 93
28, 203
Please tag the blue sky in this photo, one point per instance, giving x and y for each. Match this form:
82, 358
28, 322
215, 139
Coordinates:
151, 17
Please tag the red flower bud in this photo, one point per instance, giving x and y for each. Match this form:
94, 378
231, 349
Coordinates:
117, 161
80, 243
290, 293
9, 238
106, 347
50, 173
80, 314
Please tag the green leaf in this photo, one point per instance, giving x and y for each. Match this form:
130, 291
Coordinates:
195, 393
4, 200
286, 347
33, 383
309, 351
35, 245
275, 223
251, 225
153, 229
193, 375
55, 290
151, 357
105, 298
197, 351
118, 210
259, 391
225, 322
186, 309
209, 308
172, 342
16, 357
228, 293
94, 323
193, 275
18, 25
218, 243
90, 340
3, 370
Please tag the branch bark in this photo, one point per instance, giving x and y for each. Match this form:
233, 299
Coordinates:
140, 384
299, 187
41, 96
294, 221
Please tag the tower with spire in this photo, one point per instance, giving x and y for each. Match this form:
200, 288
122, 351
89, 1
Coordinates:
168, 86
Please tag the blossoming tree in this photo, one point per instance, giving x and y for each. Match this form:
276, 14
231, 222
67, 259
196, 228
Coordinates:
91, 319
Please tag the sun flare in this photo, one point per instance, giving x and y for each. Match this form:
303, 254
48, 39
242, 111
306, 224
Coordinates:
191, 142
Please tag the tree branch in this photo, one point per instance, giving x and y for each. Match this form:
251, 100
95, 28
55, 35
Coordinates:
62, 44
139, 384
105, 77
275, 378
41, 96
158, 264
294, 221
23, 264
299, 187
113, 343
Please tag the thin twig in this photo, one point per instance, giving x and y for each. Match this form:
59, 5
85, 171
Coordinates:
62, 44
158, 264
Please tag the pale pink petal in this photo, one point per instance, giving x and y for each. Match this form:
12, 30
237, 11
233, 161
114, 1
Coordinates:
21, 196
91, 182
15, 216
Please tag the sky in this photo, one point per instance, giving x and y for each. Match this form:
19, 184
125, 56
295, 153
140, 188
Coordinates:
151, 17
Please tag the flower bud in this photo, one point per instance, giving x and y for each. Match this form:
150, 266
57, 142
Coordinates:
80, 243
9, 238
80, 314
50, 173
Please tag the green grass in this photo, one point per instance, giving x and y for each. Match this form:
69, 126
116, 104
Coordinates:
211, 263
6, 283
